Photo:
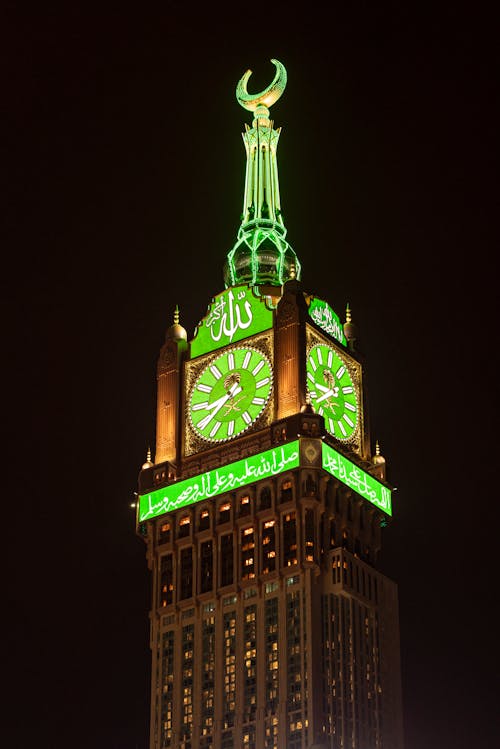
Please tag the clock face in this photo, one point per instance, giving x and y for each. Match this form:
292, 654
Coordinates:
332, 392
230, 393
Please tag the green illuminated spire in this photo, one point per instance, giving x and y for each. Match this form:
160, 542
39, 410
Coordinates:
261, 254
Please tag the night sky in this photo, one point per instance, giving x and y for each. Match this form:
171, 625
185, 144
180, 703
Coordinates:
125, 166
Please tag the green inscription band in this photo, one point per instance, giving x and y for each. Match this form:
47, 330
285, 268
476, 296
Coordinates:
233, 476
233, 315
326, 319
354, 477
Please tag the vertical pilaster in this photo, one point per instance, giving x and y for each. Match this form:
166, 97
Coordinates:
290, 351
169, 376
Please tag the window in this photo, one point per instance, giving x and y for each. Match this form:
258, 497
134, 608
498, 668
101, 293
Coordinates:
184, 526
225, 512
309, 539
265, 498
286, 491
245, 506
206, 566
186, 576
226, 563
289, 539
164, 533
204, 521
268, 547
166, 580
332, 534
247, 554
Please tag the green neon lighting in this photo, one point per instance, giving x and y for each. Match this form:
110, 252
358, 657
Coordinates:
332, 391
207, 485
268, 96
233, 315
325, 318
261, 254
230, 393
355, 478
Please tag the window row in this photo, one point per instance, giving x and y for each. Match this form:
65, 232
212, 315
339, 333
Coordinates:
238, 558
224, 512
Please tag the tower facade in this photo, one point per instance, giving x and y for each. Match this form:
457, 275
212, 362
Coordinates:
271, 625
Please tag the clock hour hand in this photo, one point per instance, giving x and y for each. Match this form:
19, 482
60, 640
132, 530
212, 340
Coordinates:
327, 394
321, 387
216, 406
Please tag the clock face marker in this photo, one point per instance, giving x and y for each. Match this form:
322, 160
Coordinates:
204, 388
320, 411
200, 406
312, 363
320, 356
230, 429
350, 407
310, 376
342, 428
230, 360
347, 390
216, 373
332, 425
263, 382
329, 360
247, 358
313, 394
340, 372
246, 417
258, 401
215, 428
348, 421
258, 367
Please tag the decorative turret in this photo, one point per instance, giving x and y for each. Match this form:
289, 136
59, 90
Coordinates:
378, 460
176, 332
350, 330
261, 254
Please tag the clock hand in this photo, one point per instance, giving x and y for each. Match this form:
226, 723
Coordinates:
216, 406
326, 395
321, 387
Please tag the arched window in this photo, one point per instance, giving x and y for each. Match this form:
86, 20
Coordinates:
265, 498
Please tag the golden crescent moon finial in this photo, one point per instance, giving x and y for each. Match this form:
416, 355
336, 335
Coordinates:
265, 98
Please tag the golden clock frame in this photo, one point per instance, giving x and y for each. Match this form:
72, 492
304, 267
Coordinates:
192, 442
356, 440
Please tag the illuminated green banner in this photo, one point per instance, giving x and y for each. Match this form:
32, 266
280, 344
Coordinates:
354, 477
325, 318
262, 466
225, 479
233, 315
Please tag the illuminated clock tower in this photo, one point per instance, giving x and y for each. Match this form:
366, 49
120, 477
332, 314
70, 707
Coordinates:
271, 625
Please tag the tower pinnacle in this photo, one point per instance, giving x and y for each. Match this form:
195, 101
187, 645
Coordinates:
261, 254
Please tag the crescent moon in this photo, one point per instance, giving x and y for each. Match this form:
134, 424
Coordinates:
269, 96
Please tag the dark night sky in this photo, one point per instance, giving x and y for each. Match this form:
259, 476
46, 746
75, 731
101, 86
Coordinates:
125, 178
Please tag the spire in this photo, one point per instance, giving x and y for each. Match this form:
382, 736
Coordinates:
379, 461
148, 463
350, 331
261, 254
176, 332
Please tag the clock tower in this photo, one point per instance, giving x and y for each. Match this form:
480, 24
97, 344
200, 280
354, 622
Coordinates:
271, 625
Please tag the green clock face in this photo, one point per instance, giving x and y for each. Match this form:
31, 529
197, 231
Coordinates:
230, 393
332, 392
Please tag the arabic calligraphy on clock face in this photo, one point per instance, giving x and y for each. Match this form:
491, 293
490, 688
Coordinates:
230, 394
332, 391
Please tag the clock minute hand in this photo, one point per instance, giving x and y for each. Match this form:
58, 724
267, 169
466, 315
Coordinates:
216, 406
321, 387
325, 395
